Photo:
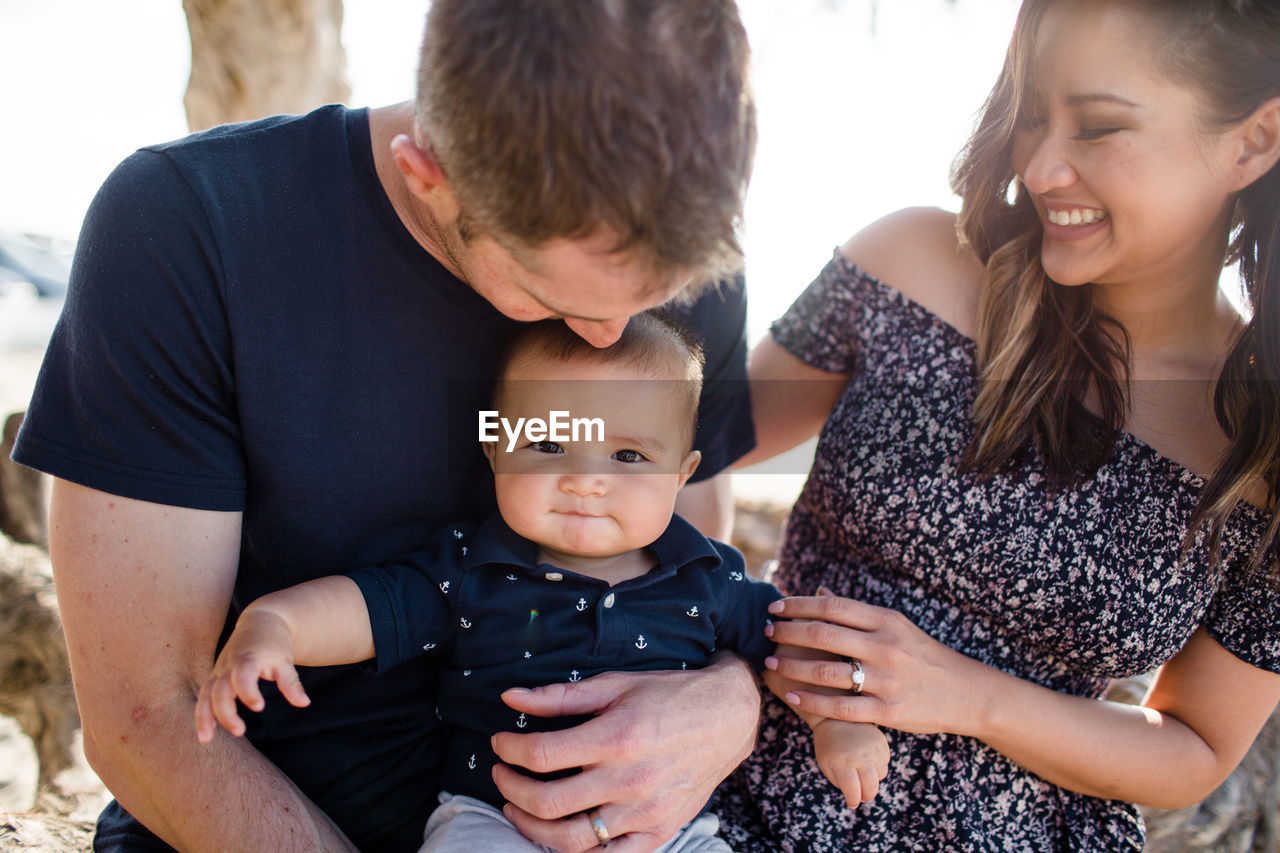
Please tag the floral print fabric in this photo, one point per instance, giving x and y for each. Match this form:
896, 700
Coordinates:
1067, 588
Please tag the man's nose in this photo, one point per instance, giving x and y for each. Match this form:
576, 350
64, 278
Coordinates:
598, 333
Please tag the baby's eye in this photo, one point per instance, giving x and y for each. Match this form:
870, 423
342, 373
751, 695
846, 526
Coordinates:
629, 456
548, 447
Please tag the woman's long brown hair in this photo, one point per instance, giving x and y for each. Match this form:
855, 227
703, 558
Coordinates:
1054, 367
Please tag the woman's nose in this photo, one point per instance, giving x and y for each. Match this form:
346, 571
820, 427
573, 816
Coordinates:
1047, 166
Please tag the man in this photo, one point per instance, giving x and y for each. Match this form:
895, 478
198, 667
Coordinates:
268, 368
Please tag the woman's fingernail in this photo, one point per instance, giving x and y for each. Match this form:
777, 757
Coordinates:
822, 590
517, 690
771, 662
777, 606
768, 630
793, 698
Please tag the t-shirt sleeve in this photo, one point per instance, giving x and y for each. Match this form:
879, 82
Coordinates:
411, 600
718, 318
740, 624
1244, 615
822, 326
136, 394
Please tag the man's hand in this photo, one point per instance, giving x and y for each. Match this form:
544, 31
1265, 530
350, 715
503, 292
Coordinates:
659, 745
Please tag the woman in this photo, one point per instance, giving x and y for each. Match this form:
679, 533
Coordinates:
1049, 457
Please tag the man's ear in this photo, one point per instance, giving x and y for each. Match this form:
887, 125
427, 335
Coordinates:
1259, 143
690, 465
416, 160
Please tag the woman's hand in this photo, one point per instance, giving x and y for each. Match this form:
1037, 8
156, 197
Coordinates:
658, 746
913, 683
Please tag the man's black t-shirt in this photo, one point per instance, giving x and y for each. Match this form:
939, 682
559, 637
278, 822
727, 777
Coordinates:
251, 328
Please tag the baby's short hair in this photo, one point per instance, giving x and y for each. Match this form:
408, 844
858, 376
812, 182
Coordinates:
653, 342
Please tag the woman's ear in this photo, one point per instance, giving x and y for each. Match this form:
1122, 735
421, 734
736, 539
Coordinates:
416, 160
1259, 147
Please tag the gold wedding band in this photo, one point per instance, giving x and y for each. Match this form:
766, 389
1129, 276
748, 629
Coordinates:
598, 827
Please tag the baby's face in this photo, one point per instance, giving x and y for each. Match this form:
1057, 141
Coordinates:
583, 496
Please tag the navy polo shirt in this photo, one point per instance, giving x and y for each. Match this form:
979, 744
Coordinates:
479, 598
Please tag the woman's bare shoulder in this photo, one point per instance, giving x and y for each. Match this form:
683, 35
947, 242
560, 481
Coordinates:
917, 252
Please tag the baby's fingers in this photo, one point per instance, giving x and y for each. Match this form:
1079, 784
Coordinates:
206, 725
286, 678
222, 701
870, 785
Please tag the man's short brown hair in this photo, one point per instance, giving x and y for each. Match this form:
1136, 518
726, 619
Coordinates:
559, 118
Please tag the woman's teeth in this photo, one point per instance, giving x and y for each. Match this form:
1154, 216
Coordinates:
1076, 216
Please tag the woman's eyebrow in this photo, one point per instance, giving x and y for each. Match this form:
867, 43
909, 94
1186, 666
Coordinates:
1083, 98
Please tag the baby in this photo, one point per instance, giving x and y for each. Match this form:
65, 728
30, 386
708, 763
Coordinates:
585, 569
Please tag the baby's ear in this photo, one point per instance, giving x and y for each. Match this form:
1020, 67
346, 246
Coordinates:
490, 449
690, 465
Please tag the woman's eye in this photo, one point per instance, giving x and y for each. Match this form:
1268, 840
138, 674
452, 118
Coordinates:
629, 456
548, 447
1089, 133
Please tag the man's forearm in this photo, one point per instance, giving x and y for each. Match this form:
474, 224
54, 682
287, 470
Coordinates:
216, 797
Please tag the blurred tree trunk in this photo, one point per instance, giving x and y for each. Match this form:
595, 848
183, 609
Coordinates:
254, 58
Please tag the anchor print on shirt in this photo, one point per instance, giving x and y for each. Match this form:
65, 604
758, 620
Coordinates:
457, 534
581, 605
444, 587
511, 577
521, 721
735, 576
692, 611
464, 622
641, 642
575, 676
471, 762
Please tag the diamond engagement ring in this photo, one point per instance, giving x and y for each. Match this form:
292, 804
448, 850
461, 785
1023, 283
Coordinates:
598, 827
857, 676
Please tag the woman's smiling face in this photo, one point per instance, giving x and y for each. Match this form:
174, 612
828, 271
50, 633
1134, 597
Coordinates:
1128, 185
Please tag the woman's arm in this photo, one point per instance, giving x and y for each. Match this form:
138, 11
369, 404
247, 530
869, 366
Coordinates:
1202, 713
790, 400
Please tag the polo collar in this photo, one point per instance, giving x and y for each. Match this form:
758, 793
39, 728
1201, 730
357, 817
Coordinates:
495, 542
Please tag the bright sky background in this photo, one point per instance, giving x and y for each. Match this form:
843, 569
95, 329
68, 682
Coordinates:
852, 126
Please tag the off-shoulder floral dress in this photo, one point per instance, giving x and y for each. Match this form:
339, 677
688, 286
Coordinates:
1066, 588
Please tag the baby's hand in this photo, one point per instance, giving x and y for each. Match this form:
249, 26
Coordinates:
854, 756
259, 647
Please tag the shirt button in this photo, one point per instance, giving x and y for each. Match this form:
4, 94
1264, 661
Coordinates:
608, 600
554, 576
